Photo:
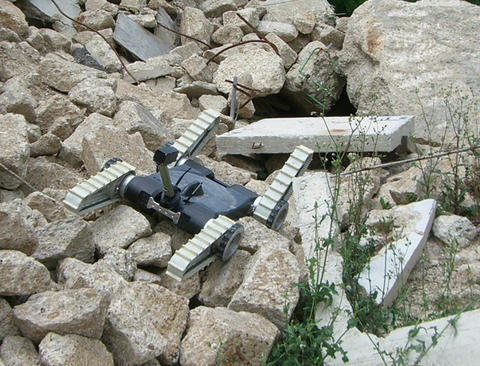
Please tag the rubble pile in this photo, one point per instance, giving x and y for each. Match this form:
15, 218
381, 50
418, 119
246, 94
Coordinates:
82, 81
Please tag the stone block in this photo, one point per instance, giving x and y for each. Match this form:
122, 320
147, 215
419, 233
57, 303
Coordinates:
19, 351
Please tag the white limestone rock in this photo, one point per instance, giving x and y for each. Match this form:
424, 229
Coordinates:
237, 338
257, 235
19, 351
17, 59
193, 23
18, 99
97, 19
285, 31
49, 207
54, 41
227, 34
145, 321
304, 21
153, 68
7, 326
79, 312
102, 53
119, 228
288, 55
402, 188
215, 8
72, 349
96, 95
215, 102
154, 250
13, 19
58, 115
454, 229
187, 288
225, 172
196, 66
251, 15
120, 261
328, 35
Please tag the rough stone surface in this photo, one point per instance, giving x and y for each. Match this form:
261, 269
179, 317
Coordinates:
223, 280
45, 11
49, 207
119, 228
69, 237
194, 24
268, 277
19, 351
402, 188
74, 350
384, 39
250, 14
237, 338
281, 11
17, 98
187, 288
227, 34
75, 274
16, 214
13, 19
47, 144
215, 102
145, 321
101, 52
225, 172
79, 312
96, 95
328, 35
134, 117
257, 235
198, 69
120, 261
49, 174
154, 67
304, 21
266, 68
453, 228
285, 31
153, 250
14, 149
107, 142
287, 54
215, 8
17, 59
54, 41
7, 327
58, 115
97, 19
60, 72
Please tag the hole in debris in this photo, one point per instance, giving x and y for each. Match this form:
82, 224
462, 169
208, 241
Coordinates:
342, 107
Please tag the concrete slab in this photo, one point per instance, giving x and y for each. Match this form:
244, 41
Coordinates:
388, 271
137, 40
329, 134
45, 10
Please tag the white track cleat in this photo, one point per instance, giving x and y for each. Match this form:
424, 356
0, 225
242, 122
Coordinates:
220, 236
100, 190
271, 208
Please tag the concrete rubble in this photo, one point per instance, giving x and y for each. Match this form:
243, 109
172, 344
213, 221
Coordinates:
94, 290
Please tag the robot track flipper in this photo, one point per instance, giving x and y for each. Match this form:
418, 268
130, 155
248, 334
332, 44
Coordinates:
219, 237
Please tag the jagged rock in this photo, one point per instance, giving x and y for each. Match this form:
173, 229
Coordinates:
215, 102
145, 321
96, 95
169, 8
285, 31
163, 18
223, 279
196, 89
120, 261
300, 42
70, 237
147, 276
145, 18
50, 208
102, 53
187, 288
153, 250
454, 229
236, 338
248, 109
388, 53
215, 8
7, 195
8, 35
54, 41
95, 19
17, 59
401, 188
166, 83
281, 11
194, 24
225, 172
328, 35
134, 117
134, 4
119, 228
304, 21
257, 235
153, 68
22, 275
72, 146
86, 36
16, 214
44, 173
288, 55
75, 274
7, 327
14, 149
137, 40
266, 68
103, 5
46, 12
19, 351
323, 71
60, 72
107, 142
175, 105
17, 98
227, 34
13, 19
185, 51
58, 115
74, 350
79, 312
47, 144
251, 15
198, 69
179, 236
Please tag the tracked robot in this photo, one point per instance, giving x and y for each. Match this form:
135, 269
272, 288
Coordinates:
190, 196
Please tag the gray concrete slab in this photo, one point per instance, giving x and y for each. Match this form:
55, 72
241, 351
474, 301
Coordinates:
329, 134
45, 10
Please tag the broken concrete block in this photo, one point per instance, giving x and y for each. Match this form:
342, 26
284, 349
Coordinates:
224, 171
288, 55
103, 55
194, 24
120, 261
18, 99
17, 351
145, 321
187, 288
196, 89
103, 5
304, 21
250, 14
327, 134
7, 327
134, 4
266, 68
96, 95
58, 108
54, 41
47, 144
108, 142
388, 270
154, 250
268, 277
256, 236
453, 229
402, 188
17, 59
79, 312
137, 40
215, 8
328, 35
97, 19
227, 34
13, 19
45, 11
69, 237
198, 69
238, 338
285, 31
48, 174
72, 349
14, 149
153, 68
49, 207
215, 102
119, 228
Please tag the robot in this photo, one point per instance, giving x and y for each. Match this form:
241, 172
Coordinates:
190, 196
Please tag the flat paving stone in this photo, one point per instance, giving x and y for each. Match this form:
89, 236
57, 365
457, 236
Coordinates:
282, 135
